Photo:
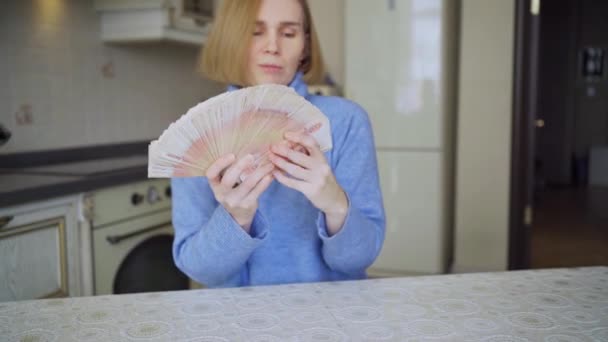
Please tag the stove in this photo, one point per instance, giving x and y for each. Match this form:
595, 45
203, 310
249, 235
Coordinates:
132, 239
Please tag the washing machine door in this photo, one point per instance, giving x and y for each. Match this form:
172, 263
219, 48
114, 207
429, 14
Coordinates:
135, 256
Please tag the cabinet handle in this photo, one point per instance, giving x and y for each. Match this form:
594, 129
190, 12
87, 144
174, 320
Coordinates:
5, 220
116, 239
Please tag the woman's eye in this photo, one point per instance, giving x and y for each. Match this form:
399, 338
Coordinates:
289, 34
257, 33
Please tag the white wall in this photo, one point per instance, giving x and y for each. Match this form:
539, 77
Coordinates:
51, 60
328, 16
484, 135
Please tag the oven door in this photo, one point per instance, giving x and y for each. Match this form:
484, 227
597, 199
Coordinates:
135, 256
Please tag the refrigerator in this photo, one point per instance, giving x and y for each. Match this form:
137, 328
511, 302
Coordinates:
401, 63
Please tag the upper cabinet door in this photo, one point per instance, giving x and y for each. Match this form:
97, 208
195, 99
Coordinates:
370, 51
395, 68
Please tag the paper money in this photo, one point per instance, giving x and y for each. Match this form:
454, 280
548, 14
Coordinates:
242, 122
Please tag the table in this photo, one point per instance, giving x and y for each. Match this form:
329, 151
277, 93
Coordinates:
533, 305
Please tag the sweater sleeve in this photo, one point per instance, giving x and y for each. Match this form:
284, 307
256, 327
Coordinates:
359, 241
209, 246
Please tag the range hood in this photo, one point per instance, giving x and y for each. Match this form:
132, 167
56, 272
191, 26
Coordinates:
183, 21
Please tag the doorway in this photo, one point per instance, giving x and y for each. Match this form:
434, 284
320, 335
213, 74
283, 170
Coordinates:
559, 194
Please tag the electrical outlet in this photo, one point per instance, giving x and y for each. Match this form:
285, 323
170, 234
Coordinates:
24, 115
107, 70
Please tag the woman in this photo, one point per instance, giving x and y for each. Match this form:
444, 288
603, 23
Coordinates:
324, 223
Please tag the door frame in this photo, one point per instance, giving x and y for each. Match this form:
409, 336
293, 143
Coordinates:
525, 91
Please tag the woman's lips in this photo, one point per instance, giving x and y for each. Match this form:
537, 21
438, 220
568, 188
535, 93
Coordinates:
271, 68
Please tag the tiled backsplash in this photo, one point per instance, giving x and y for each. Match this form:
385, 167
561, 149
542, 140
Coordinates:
76, 90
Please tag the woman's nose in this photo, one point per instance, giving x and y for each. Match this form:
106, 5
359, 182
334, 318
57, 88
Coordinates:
272, 44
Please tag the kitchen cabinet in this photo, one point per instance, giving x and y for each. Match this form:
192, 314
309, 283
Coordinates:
39, 250
182, 21
400, 66
412, 190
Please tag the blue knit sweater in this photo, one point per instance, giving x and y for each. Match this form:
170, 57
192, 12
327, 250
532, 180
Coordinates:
288, 242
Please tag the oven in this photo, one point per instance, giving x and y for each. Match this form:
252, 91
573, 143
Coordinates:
132, 238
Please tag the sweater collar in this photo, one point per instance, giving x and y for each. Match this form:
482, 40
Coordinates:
297, 84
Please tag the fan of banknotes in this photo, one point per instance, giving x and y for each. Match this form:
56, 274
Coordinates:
244, 121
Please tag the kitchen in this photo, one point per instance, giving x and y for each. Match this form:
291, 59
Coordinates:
85, 96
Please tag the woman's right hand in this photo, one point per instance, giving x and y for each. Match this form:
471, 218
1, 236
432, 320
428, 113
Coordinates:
239, 199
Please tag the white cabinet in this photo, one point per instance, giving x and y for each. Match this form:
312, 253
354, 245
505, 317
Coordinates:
395, 68
39, 250
400, 66
370, 32
124, 21
412, 188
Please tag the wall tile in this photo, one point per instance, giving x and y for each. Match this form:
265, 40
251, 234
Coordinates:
54, 63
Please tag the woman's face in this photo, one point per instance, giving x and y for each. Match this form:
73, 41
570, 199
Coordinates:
278, 42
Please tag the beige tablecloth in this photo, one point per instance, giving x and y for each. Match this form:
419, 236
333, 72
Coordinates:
544, 305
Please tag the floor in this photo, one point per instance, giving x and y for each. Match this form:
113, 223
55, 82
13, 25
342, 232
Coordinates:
570, 228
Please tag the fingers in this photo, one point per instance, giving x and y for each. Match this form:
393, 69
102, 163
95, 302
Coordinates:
295, 147
290, 168
305, 140
214, 171
301, 149
231, 176
294, 156
288, 182
260, 187
251, 181
245, 196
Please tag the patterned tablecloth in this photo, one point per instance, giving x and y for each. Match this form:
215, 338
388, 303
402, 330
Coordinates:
542, 305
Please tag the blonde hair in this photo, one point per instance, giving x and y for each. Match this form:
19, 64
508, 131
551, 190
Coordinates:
224, 55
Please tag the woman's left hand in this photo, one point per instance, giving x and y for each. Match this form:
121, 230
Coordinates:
312, 176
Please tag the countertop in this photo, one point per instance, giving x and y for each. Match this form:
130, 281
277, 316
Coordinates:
534, 305
40, 176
